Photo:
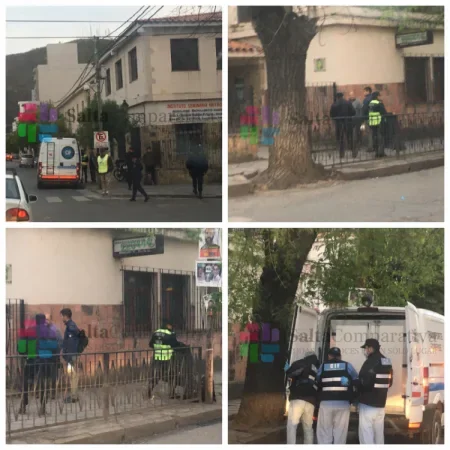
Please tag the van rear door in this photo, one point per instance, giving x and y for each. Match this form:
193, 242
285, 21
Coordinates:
303, 333
47, 158
67, 159
414, 382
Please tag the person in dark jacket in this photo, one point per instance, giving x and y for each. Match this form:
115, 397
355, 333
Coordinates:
150, 164
375, 377
93, 165
197, 165
40, 344
336, 380
366, 101
135, 170
70, 353
163, 341
129, 162
342, 112
302, 397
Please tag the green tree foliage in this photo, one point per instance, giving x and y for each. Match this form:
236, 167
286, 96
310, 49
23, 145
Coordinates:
115, 120
399, 264
423, 17
13, 143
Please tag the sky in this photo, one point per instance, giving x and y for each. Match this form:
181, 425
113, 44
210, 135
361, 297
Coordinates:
61, 30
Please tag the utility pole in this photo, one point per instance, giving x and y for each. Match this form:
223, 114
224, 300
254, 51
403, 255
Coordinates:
98, 80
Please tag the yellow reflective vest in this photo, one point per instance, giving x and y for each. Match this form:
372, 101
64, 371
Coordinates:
102, 164
374, 114
163, 352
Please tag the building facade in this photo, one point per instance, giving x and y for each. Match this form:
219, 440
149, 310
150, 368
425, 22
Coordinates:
119, 302
354, 47
55, 78
168, 74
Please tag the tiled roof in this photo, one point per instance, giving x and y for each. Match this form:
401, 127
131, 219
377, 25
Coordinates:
191, 18
243, 47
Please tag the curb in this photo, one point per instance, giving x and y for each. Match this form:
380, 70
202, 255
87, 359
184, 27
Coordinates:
244, 189
158, 195
397, 169
275, 436
115, 433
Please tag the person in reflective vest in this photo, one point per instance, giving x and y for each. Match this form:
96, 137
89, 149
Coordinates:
337, 381
302, 397
84, 165
376, 113
105, 166
163, 341
376, 377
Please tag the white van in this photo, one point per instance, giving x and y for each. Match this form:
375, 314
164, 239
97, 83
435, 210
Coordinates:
414, 341
59, 162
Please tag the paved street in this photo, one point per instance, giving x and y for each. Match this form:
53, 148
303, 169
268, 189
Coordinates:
417, 197
208, 434
57, 204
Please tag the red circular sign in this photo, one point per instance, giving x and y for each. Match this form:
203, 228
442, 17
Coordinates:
100, 136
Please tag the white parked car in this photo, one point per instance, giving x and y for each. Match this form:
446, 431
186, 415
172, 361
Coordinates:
27, 161
18, 202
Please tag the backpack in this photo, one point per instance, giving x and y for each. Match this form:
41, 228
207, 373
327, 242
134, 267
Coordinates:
83, 341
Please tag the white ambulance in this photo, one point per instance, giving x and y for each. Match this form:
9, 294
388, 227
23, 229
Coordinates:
59, 162
414, 341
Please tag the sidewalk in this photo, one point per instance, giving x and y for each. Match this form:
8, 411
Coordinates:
164, 190
122, 429
240, 176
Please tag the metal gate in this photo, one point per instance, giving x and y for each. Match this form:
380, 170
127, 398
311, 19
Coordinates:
15, 321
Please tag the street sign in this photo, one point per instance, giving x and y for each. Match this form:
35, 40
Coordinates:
101, 139
141, 246
415, 39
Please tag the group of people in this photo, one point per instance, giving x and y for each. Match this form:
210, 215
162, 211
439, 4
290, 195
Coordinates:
102, 165
48, 352
351, 114
333, 387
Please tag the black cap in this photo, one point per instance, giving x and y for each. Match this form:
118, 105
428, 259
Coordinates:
371, 343
339, 94
166, 322
334, 351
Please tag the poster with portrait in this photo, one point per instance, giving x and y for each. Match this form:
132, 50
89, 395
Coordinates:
208, 274
210, 243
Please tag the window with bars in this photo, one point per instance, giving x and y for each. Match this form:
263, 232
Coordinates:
219, 53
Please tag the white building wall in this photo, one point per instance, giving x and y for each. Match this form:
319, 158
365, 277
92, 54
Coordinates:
73, 266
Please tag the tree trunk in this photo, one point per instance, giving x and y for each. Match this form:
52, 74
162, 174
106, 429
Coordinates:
263, 399
285, 38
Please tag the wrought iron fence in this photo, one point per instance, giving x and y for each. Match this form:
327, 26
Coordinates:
173, 157
15, 320
351, 139
42, 393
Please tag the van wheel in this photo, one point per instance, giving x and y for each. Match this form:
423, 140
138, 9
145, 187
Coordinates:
436, 428
432, 434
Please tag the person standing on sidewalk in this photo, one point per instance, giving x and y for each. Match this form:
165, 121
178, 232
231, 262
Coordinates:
302, 397
129, 162
377, 112
54, 330
336, 380
84, 165
92, 165
136, 177
70, 353
150, 165
105, 166
197, 165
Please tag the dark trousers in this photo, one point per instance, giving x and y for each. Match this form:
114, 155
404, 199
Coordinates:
85, 172
376, 136
40, 375
130, 179
138, 187
197, 182
93, 171
151, 170
344, 131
